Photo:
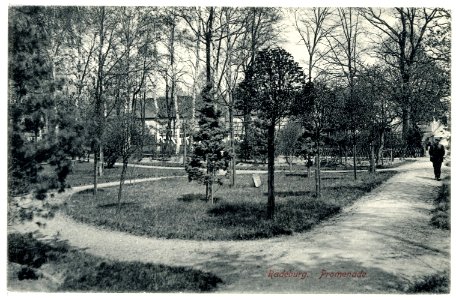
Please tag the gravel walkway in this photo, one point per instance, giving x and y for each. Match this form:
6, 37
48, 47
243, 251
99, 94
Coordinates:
384, 238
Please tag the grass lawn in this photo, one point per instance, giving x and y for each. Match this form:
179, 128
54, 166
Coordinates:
76, 270
441, 213
175, 208
82, 173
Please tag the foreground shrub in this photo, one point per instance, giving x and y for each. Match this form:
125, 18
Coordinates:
109, 276
441, 213
24, 249
436, 283
84, 272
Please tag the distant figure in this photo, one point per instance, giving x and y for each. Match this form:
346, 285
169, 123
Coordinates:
437, 152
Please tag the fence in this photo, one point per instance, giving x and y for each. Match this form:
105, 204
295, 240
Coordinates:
342, 156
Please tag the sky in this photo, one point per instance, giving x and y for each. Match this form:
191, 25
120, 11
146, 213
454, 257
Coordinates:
290, 34
292, 44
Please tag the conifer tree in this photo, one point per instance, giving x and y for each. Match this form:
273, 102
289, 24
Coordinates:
41, 126
210, 151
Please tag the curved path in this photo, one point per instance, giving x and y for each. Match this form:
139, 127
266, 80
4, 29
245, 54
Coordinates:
386, 235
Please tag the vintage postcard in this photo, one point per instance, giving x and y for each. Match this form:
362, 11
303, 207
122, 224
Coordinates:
259, 148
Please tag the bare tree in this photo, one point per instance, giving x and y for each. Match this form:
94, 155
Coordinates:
105, 42
313, 28
234, 20
403, 32
261, 31
344, 60
137, 62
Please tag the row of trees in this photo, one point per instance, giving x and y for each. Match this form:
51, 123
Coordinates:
408, 82
98, 67
81, 78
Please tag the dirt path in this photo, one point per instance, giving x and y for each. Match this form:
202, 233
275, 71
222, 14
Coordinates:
386, 235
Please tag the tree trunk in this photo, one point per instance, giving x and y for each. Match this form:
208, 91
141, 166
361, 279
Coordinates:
184, 157
372, 158
230, 84
99, 111
177, 125
101, 162
167, 143
207, 182
354, 158
405, 122
379, 157
157, 126
271, 155
143, 124
405, 97
317, 169
247, 135
195, 80
121, 183
95, 172
233, 146
208, 42
340, 155
212, 187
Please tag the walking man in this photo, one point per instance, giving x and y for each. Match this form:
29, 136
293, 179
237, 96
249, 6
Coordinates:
437, 152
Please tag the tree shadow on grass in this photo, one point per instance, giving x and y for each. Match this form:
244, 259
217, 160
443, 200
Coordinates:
122, 204
246, 221
304, 175
89, 191
331, 177
238, 209
196, 197
296, 175
311, 193
191, 198
292, 193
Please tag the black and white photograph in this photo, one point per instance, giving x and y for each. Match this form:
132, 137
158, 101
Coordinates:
227, 148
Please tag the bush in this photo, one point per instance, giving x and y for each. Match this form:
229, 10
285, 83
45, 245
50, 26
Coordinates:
436, 283
441, 213
84, 272
24, 249
138, 277
27, 273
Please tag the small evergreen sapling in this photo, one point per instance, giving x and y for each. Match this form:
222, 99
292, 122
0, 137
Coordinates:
210, 152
